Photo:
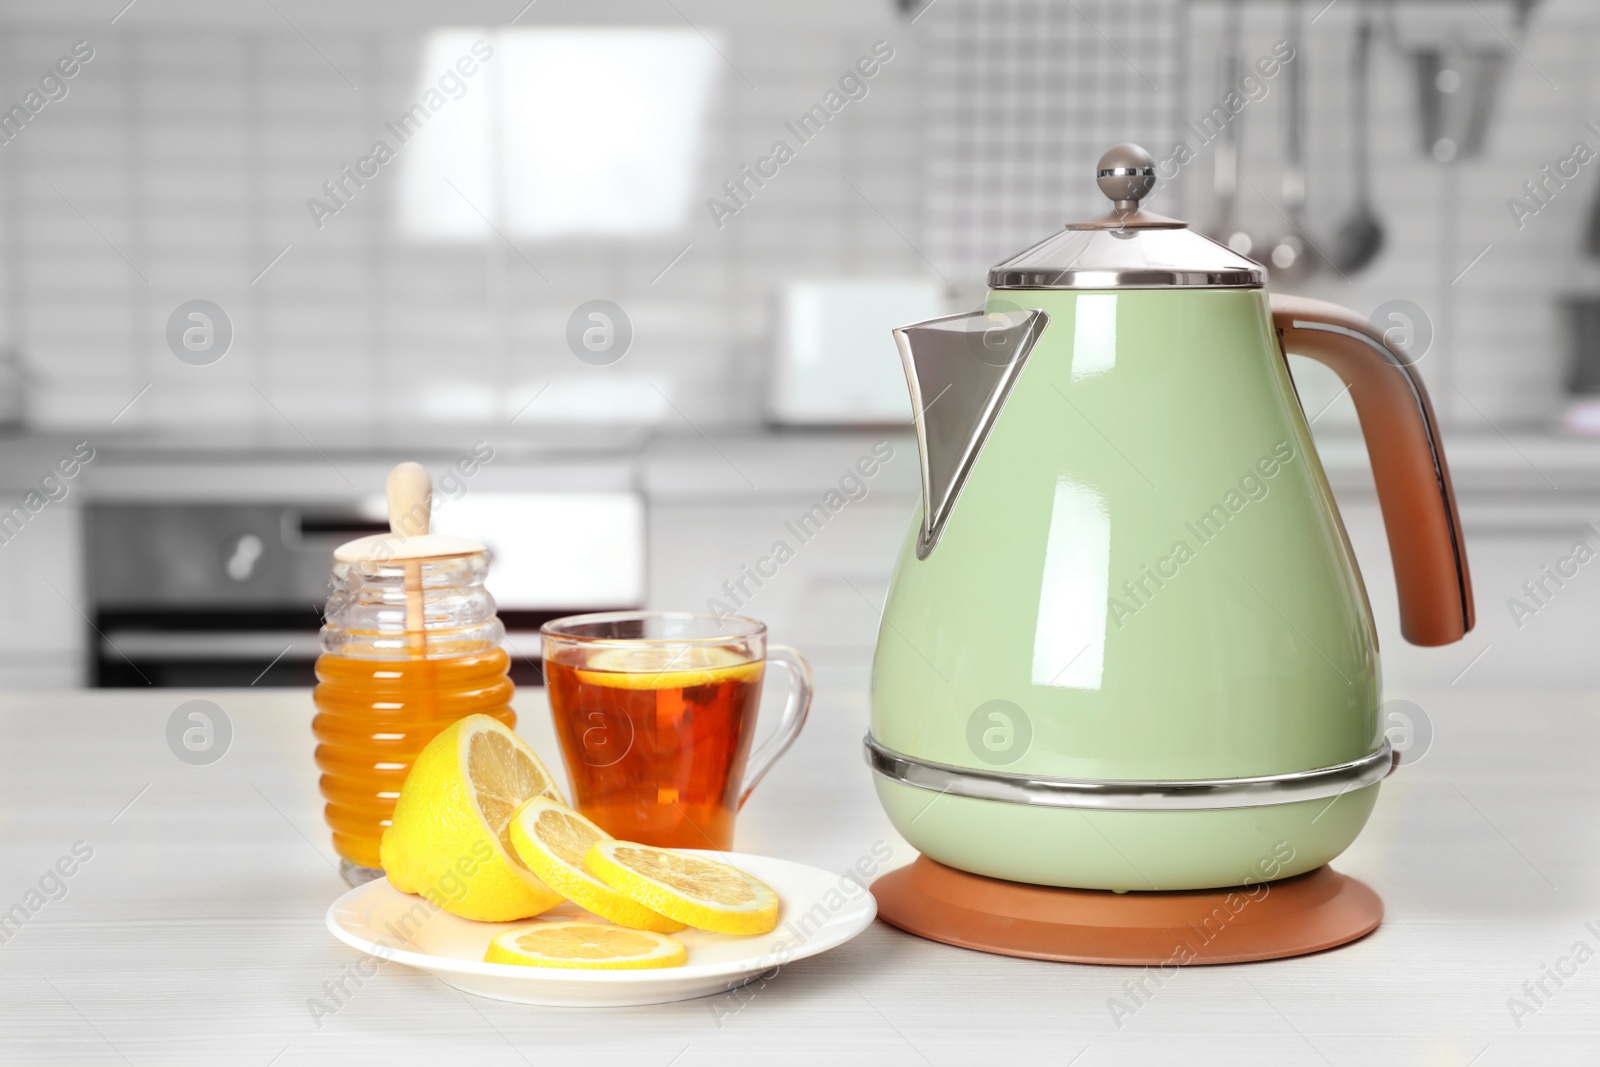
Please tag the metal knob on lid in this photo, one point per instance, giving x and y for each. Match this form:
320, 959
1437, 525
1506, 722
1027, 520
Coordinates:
1126, 174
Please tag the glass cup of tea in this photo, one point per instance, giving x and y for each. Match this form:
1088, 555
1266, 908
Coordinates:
656, 712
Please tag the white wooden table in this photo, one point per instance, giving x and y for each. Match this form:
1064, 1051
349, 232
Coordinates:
194, 934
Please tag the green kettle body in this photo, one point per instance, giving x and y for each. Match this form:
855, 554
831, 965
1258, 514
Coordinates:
1126, 645
1144, 578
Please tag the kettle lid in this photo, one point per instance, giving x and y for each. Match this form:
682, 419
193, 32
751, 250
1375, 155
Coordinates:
1128, 248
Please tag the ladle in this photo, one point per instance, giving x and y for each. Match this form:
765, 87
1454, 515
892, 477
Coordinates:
1360, 236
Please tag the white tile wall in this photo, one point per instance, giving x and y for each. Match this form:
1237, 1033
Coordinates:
1024, 97
192, 151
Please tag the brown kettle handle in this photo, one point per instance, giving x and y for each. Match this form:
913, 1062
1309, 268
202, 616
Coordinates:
1414, 489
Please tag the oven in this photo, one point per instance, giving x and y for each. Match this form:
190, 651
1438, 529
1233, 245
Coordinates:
206, 594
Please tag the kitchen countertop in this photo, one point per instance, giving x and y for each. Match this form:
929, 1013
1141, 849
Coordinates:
282, 467
195, 932
677, 465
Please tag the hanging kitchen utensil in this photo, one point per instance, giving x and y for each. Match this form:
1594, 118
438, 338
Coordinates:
1591, 232
1581, 319
1224, 227
1456, 89
16, 378
1360, 236
1292, 256
1126, 646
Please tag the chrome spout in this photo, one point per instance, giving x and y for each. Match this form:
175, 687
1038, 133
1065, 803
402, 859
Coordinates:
960, 369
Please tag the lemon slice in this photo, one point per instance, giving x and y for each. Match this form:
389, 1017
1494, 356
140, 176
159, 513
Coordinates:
667, 667
448, 840
697, 891
585, 945
552, 839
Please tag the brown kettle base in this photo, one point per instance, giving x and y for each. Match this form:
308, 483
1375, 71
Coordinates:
1318, 910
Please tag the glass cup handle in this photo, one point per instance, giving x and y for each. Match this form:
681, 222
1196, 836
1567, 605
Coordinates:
789, 723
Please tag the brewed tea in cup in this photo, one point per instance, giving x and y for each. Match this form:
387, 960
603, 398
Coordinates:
656, 712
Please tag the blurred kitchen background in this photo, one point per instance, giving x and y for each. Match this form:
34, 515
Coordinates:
653, 448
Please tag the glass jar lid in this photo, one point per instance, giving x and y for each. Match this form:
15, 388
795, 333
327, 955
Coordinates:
1128, 248
409, 609
410, 593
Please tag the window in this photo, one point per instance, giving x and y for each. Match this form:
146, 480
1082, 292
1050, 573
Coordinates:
558, 133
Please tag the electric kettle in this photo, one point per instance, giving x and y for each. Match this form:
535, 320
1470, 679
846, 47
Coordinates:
1126, 646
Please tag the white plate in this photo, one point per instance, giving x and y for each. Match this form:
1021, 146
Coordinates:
820, 910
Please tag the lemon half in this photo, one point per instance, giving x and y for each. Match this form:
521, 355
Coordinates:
448, 840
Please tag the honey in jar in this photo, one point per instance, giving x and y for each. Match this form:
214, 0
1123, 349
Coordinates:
410, 644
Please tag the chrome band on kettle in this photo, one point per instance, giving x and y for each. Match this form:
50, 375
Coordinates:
1130, 794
